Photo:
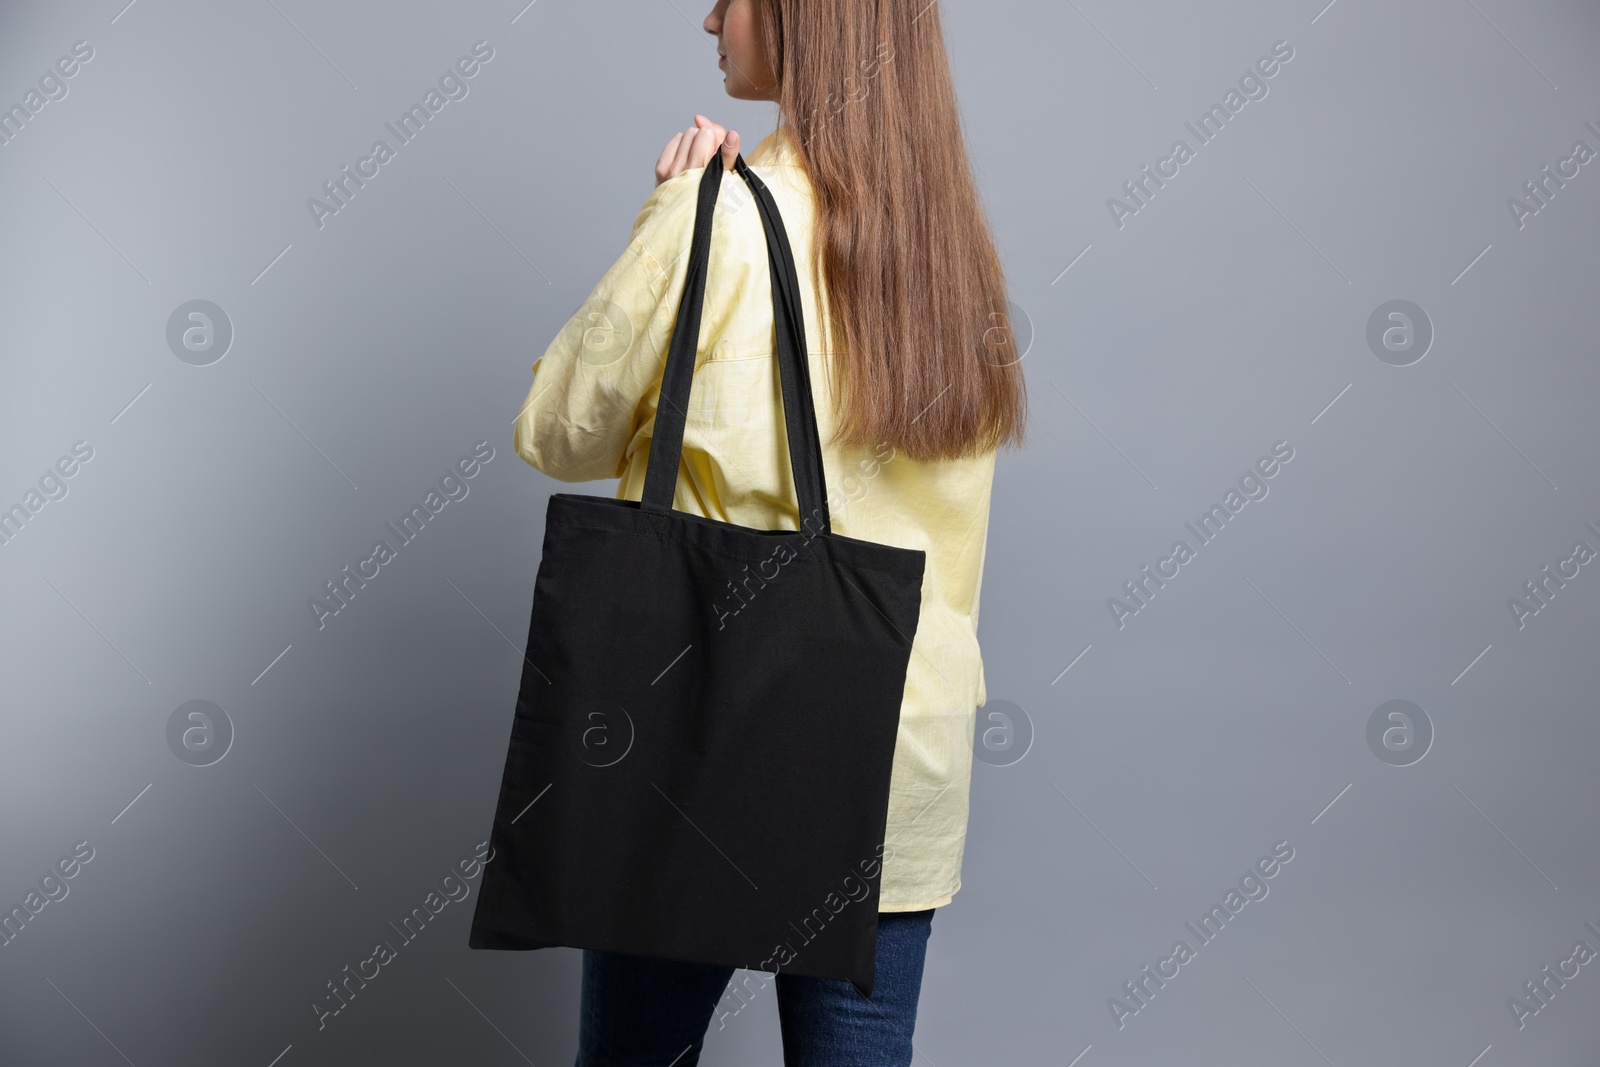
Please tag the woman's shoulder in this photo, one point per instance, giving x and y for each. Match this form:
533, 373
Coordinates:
665, 222
669, 210
777, 149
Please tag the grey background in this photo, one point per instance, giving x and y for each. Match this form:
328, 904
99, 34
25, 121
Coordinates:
1230, 313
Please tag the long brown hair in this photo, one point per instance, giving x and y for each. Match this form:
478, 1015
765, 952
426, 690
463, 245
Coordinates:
915, 291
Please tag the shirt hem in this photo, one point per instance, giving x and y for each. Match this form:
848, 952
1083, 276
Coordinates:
938, 902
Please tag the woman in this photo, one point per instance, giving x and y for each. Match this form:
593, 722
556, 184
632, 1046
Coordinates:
916, 386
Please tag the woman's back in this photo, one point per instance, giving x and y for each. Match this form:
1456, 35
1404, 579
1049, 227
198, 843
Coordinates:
590, 415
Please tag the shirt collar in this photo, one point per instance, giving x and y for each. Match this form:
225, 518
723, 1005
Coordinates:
777, 148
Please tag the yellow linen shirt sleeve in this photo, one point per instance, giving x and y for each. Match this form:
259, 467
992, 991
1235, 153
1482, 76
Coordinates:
596, 384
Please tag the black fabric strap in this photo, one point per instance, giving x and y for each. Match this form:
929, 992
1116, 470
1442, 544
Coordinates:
804, 443
799, 409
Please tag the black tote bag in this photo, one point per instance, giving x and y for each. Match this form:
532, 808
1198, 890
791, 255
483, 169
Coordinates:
700, 755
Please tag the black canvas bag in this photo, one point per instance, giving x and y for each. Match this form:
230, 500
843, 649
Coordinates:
700, 756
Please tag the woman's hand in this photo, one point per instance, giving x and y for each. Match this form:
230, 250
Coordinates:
694, 147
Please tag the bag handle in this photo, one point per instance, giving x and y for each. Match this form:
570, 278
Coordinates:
799, 412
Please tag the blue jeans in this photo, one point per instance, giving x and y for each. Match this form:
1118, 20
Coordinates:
643, 1012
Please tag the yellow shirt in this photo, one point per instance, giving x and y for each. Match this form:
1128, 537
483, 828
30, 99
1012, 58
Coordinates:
591, 412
